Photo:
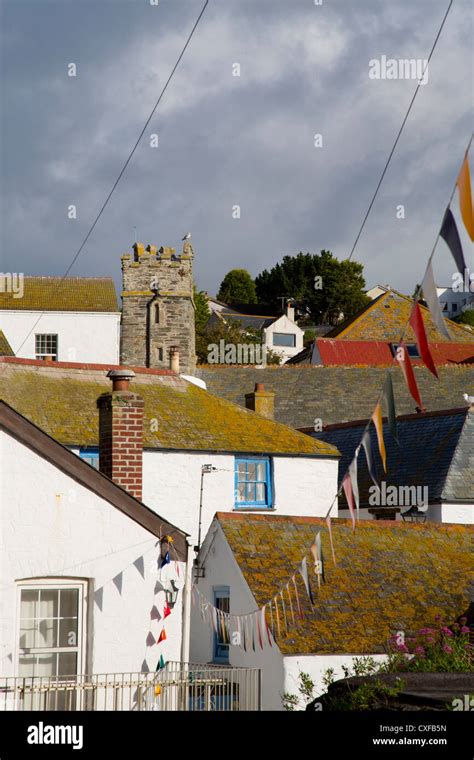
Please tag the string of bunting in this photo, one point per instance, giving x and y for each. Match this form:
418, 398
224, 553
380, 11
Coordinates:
268, 622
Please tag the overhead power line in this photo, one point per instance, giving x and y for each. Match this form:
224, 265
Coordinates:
129, 158
399, 132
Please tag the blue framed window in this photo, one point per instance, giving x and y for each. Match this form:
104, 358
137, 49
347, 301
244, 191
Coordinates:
253, 483
222, 602
90, 455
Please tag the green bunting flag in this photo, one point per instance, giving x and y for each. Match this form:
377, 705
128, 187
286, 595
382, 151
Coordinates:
391, 413
161, 663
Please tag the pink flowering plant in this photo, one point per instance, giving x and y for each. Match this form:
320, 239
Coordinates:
440, 648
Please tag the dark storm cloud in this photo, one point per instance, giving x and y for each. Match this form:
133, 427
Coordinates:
228, 140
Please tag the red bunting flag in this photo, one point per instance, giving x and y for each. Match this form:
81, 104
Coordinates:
161, 637
405, 364
166, 610
418, 327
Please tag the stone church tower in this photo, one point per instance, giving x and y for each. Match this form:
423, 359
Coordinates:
158, 308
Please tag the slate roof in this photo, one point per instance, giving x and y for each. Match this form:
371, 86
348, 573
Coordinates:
336, 394
256, 322
436, 450
5, 348
385, 317
92, 294
61, 399
390, 576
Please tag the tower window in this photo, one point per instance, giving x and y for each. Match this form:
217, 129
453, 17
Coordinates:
157, 314
160, 354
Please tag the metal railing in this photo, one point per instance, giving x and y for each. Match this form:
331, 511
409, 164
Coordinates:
176, 687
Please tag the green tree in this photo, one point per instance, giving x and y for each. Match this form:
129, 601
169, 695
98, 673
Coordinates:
321, 285
237, 287
466, 318
202, 313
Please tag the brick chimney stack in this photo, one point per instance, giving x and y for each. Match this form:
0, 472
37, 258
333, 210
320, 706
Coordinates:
121, 433
261, 401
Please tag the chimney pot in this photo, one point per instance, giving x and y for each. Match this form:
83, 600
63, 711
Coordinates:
174, 359
120, 378
261, 401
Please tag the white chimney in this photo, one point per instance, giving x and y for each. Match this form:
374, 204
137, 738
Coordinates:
290, 311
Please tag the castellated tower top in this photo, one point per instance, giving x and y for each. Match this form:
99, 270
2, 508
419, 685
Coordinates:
158, 307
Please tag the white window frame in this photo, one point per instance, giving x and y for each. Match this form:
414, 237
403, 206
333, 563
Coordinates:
48, 583
40, 354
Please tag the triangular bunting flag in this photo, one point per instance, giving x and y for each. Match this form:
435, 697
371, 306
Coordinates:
465, 197
298, 605
391, 414
378, 422
140, 565
317, 552
150, 640
368, 455
328, 522
347, 486
304, 574
266, 626
405, 364
161, 663
449, 233
353, 476
291, 603
418, 327
162, 636
277, 614
166, 610
99, 597
117, 581
154, 614
431, 297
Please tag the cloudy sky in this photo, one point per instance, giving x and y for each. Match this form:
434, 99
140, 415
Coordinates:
227, 140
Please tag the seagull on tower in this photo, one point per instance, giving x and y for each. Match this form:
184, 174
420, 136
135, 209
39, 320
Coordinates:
187, 236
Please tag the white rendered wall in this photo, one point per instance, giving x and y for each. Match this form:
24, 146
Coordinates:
82, 336
172, 482
284, 325
52, 526
315, 665
458, 513
221, 569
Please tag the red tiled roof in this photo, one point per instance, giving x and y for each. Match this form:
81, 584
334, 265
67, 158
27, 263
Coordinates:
376, 353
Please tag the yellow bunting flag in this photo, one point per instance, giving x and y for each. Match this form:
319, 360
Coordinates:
377, 420
465, 197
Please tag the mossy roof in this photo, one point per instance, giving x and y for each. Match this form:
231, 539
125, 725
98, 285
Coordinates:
386, 316
5, 348
92, 294
62, 402
390, 576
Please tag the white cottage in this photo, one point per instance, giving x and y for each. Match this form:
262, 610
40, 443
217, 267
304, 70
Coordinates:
69, 319
82, 588
188, 453
388, 578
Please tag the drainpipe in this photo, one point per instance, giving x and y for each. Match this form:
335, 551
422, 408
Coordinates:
186, 622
